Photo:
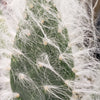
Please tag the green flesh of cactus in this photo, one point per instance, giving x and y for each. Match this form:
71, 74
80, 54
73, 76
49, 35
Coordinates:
36, 50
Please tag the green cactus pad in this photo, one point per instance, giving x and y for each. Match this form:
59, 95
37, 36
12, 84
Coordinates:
42, 60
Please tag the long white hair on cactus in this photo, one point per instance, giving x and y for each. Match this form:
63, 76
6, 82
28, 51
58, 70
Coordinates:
12, 11
81, 30
78, 18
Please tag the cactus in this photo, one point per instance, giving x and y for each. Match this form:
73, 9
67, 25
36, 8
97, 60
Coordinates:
49, 50
84, 41
6, 46
41, 65
8, 24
